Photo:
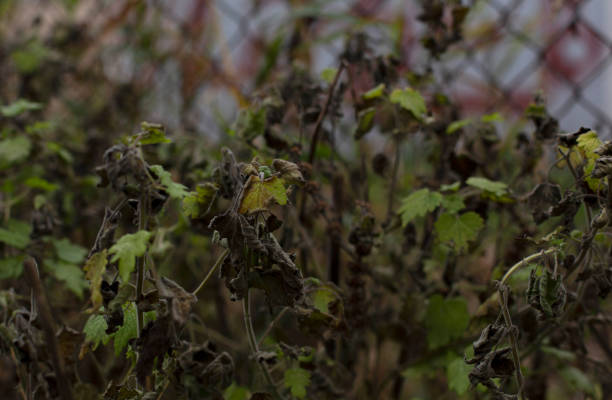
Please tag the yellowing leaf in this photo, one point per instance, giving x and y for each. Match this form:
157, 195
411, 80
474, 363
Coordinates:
455, 126
94, 269
328, 74
152, 134
259, 194
588, 142
375, 92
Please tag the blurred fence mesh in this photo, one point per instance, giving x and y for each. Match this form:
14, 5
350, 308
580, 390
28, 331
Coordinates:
198, 60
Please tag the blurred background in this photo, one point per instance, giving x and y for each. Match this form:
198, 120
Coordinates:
192, 64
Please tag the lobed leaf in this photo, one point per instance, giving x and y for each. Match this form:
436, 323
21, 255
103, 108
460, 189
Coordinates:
297, 379
174, 189
126, 249
458, 229
259, 194
419, 203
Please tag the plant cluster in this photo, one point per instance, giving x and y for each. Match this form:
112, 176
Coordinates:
356, 238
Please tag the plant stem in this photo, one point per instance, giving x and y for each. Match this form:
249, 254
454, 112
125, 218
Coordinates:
396, 162
272, 324
319, 123
143, 216
48, 324
503, 301
246, 308
212, 270
524, 261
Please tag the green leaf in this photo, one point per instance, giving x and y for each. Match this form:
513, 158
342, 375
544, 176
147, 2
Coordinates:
497, 188
455, 126
62, 153
365, 122
94, 269
70, 274
458, 229
11, 267
328, 74
197, 204
562, 355
453, 203
445, 319
19, 107
30, 57
494, 117
68, 251
453, 187
129, 329
127, 248
297, 379
152, 134
14, 149
95, 330
321, 299
410, 100
577, 380
16, 233
375, 92
259, 194
419, 203
36, 182
175, 190
235, 392
457, 372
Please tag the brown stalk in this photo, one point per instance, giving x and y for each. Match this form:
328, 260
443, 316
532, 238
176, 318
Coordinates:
48, 325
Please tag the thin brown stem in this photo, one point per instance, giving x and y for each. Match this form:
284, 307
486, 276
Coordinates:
48, 325
143, 216
317, 129
272, 324
246, 309
503, 301
211, 271
391, 194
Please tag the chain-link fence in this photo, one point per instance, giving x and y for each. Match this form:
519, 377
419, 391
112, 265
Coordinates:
198, 60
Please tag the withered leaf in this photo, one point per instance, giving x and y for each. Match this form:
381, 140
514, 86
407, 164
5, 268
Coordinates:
180, 299
289, 172
541, 199
94, 269
155, 341
68, 341
207, 366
